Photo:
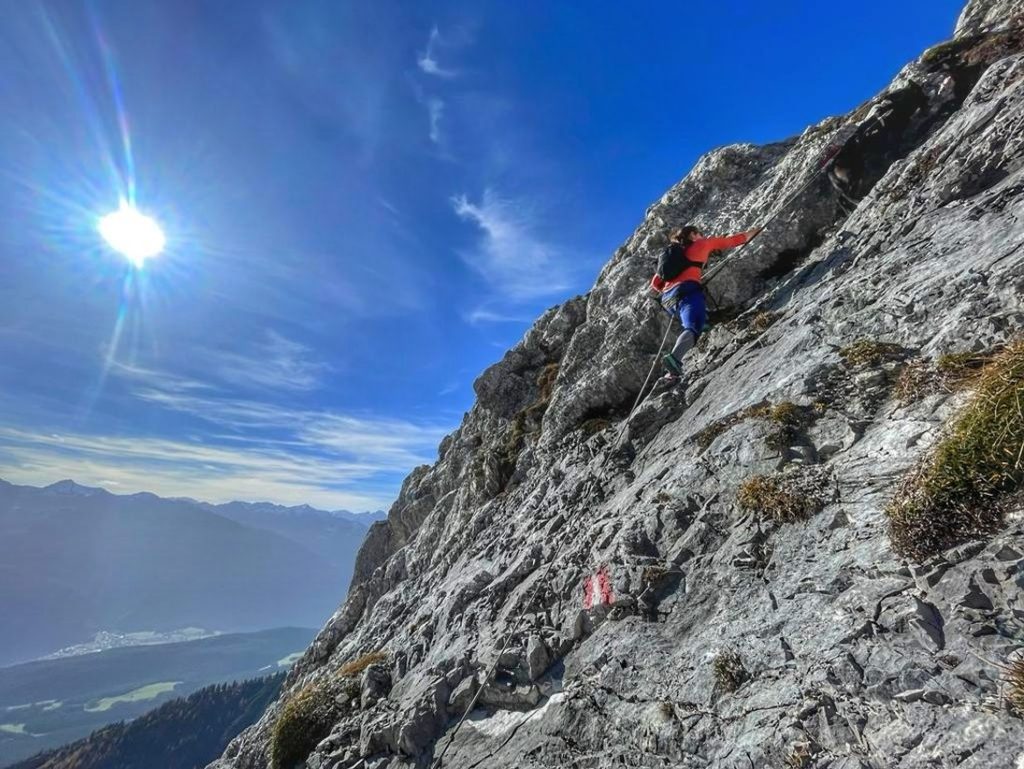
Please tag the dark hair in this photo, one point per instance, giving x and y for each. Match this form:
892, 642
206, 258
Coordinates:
682, 234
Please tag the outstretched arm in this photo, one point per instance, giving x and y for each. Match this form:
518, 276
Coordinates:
729, 241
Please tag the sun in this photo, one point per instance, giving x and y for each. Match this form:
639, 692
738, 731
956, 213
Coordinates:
133, 234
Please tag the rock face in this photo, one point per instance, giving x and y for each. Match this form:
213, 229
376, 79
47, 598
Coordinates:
636, 607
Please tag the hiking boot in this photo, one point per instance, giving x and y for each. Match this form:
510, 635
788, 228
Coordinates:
672, 365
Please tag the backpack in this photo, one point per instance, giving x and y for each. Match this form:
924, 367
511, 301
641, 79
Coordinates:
673, 261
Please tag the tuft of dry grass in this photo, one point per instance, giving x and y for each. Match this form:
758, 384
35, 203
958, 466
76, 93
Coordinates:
304, 720
916, 380
526, 422
763, 321
307, 717
358, 665
868, 353
960, 368
1013, 683
728, 671
769, 498
595, 425
787, 416
949, 372
954, 495
800, 756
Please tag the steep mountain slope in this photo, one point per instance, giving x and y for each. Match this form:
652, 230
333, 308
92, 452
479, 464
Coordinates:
75, 561
180, 734
719, 588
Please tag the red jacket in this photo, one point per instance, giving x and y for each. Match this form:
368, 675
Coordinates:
698, 251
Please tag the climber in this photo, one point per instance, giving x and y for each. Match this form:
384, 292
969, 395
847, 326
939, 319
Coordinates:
677, 284
875, 141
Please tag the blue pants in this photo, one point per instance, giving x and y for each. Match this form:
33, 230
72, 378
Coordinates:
689, 306
686, 302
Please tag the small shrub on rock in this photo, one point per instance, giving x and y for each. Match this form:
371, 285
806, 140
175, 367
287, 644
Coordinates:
788, 419
949, 372
956, 493
729, 671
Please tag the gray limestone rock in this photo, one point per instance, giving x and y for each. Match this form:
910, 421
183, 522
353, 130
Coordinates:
611, 552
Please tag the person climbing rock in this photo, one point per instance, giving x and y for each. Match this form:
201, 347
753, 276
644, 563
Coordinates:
868, 149
677, 283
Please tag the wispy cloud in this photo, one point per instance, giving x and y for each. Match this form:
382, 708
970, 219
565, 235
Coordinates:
385, 444
196, 469
483, 315
427, 60
250, 448
273, 363
516, 261
277, 363
435, 111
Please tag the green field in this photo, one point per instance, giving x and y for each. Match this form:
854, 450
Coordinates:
142, 694
291, 659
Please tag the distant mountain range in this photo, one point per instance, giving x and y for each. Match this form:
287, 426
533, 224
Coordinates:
47, 703
76, 561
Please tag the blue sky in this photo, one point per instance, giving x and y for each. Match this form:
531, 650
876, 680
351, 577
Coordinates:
365, 204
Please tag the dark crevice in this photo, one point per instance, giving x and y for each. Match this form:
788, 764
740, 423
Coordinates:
787, 261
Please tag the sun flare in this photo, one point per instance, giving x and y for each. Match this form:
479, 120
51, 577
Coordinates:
133, 234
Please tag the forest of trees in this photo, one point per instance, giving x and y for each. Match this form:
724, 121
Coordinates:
186, 733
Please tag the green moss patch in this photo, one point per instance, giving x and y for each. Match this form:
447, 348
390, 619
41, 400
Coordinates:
957, 368
955, 494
